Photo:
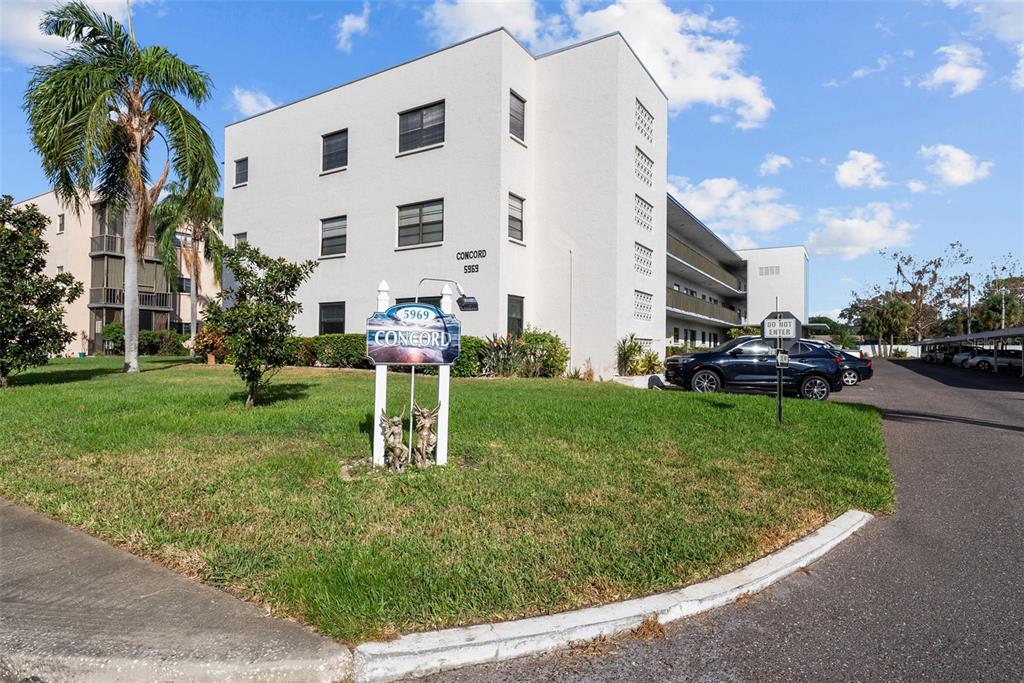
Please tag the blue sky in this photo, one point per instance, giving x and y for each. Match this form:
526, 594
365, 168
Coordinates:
843, 126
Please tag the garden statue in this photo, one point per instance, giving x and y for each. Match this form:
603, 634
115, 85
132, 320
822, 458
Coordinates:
426, 434
396, 453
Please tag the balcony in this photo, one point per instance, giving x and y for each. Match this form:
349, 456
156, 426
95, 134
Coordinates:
696, 260
108, 296
114, 244
682, 301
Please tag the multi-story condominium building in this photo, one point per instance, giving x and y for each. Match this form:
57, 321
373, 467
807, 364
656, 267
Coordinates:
776, 272
538, 183
706, 281
90, 246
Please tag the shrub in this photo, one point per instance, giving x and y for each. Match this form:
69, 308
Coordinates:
169, 343
301, 351
468, 362
899, 353
113, 334
210, 341
149, 342
341, 350
628, 352
681, 349
650, 363
734, 332
503, 356
546, 354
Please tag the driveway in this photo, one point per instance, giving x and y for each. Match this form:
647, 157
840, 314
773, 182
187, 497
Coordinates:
931, 593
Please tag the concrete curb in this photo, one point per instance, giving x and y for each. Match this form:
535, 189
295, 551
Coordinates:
420, 654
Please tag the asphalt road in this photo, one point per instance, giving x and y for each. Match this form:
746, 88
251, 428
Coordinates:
932, 593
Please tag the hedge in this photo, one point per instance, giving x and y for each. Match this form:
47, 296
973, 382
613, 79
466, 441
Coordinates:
341, 351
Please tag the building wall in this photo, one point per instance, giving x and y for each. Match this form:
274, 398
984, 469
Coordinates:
789, 284
575, 172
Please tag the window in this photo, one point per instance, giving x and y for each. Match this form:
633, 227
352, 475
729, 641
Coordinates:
60, 269
766, 271
643, 165
691, 292
335, 152
675, 334
714, 339
60, 224
332, 318
184, 284
515, 217
643, 305
240, 237
643, 259
644, 122
242, 171
755, 347
421, 223
703, 337
333, 235
421, 127
515, 315
643, 213
517, 116
432, 300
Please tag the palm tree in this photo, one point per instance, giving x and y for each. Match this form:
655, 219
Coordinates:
93, 114
198, 216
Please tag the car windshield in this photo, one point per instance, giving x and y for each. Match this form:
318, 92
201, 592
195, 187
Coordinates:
728, 345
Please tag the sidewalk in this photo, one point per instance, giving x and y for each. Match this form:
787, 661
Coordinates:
73, 608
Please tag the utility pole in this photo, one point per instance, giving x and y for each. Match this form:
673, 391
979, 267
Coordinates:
968, 303
1002, 313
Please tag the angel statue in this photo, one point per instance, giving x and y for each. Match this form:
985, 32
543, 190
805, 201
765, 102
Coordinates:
426, 434
396, 453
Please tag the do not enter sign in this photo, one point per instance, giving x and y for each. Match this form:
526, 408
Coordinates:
781, 325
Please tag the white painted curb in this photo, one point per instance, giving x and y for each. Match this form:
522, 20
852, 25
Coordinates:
420, 654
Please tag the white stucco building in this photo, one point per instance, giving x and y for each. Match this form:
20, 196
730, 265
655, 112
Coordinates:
536, 182
776, 272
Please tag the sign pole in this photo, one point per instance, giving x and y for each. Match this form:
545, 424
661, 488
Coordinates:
380, 389
443, 385
778, 370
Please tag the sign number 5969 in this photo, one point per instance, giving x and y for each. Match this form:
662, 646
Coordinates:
471, 268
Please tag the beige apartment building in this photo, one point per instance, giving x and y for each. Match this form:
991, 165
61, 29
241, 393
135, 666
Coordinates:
90, 246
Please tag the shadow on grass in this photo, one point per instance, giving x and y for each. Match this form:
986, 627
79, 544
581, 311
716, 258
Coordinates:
61, 376
276, 393
367, 426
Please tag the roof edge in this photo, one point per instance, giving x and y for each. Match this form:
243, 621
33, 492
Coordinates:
701, 224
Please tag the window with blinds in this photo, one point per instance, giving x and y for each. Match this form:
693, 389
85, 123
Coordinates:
242, 171
332, 318
335, 150
421, 127
333, 236
515, 317
421, 223
517, 116
515, 217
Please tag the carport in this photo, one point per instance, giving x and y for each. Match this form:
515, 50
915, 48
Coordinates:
999, 339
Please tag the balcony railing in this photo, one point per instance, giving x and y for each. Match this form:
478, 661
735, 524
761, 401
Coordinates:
114, 244
687, 254
681, 301
108, 296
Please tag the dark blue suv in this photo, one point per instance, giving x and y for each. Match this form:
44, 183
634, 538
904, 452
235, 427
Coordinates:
749, 363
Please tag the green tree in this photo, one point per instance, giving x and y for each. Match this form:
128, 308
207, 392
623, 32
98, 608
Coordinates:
256, 314
833, 326
92, 115
31, 304
896, 315
198, 216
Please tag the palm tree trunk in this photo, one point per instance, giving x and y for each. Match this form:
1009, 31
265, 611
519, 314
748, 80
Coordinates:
131, 296
193, 290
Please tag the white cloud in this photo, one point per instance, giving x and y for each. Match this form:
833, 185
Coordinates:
916, 186
962, 68
866, 229
773, 163
882, 63
833, 83
1018, 74
832, 313
1004, 20
20, 39
908, 53
861, 169
884, 28
691, 56
352, 25
727, 205
953, 166
739, 240
251, 102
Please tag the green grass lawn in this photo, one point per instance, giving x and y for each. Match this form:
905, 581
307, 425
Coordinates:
559, 493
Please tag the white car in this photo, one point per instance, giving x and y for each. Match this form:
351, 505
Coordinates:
984, 360
964, 356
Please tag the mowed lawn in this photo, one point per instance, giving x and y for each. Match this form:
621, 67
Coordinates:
559, 493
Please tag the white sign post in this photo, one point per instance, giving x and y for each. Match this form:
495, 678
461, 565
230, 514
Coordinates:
380, 390
780, 325
443, 384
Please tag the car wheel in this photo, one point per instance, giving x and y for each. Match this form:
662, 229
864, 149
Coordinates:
814, 388
984, 365
850, 378
705, 381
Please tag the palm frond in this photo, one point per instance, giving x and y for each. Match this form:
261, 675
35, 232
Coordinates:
165, 72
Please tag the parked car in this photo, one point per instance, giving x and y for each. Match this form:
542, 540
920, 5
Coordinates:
854, 368
963, 356
749, 363
984, 360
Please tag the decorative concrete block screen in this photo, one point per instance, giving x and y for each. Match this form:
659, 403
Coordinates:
644, 167
643, 260
643, 211
644, 122
643, 305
